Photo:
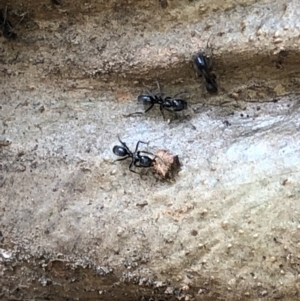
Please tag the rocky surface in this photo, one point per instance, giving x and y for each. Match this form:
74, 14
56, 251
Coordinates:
75, 225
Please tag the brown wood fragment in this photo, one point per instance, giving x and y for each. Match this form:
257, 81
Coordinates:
165, 164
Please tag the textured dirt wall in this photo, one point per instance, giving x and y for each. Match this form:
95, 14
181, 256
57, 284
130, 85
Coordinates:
74, 225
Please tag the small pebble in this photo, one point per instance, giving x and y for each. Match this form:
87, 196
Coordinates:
259, 32
278, 40
276, 34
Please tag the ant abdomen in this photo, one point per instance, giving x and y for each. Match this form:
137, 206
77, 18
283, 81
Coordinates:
179, 105
145, 98
120, 151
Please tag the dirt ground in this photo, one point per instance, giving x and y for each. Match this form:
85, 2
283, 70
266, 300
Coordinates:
75, 225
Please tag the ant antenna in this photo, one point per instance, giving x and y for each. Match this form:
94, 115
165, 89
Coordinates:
5, 12
207, 46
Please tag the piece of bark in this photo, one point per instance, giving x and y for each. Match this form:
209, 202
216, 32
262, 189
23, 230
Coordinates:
165, 164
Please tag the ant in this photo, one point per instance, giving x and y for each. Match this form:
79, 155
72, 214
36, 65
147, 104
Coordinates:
137, 159
6, 27
171, 104
203, 64
204, 67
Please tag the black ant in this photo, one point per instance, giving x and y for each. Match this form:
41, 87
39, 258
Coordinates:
171, 104
204, 67
137, 159
203, 64
6, 27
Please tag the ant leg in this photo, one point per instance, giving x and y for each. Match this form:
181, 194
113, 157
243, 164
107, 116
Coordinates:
139, 113
122, 159
23, 16
144, 152
180, 93
209, 63
148, 91
158, 86
130, 167
161, 108
208, 42
124, 144
149, 108
159, 89
209, 54
5, 12
134, 171
134, 113
137, 145
168, 109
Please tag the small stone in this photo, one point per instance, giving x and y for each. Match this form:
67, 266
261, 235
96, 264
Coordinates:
263, 293
259, 32
158, 284
120, 231
255, 235
194, 233
142, 203
278, 40
4, 141
204, 212
232, 281
169, 290
243, 25
234, 95
276, 34
181, 173
225, 224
